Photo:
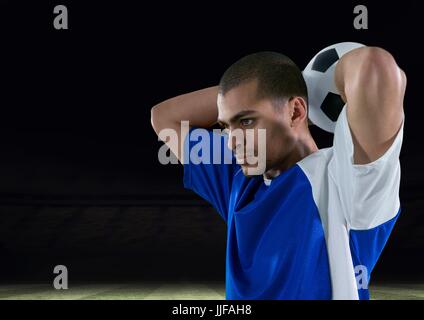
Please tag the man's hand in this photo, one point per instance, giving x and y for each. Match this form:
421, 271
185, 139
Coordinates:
373, 86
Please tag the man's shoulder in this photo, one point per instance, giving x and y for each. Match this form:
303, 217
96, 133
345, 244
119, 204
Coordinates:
316, 159
315, 166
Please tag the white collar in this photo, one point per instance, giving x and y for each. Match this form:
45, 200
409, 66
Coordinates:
267, 181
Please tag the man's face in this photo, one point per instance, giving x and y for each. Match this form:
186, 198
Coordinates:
240, 109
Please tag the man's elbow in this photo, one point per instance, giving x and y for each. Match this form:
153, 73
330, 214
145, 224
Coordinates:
155, 118
378, 68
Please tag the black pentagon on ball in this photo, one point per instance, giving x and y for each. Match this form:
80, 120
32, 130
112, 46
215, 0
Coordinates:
325, 60
332, 106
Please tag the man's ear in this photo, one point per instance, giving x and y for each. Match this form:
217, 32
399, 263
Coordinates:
299, 110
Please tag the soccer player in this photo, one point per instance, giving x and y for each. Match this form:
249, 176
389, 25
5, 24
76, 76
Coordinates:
313, 224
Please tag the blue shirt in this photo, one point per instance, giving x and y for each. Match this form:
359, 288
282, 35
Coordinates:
315, 232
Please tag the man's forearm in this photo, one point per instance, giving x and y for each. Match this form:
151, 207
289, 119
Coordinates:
347, 67
199, 108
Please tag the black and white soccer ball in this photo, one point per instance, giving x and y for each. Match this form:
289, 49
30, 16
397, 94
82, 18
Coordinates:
325, 103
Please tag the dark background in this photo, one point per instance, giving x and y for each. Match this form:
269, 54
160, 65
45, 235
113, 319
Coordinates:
80, 183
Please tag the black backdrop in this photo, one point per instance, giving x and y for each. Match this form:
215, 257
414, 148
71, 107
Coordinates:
80, 182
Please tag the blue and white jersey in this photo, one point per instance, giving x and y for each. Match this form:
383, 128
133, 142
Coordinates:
310, 234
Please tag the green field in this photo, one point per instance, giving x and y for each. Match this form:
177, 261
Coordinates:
169, 291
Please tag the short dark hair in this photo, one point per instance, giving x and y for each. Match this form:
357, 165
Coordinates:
278, 76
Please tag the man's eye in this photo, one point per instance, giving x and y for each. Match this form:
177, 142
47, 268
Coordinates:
246, 122
225, 131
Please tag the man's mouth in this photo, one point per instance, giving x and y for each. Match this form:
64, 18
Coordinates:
244, 161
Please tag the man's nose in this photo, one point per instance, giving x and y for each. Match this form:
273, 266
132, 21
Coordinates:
235, 141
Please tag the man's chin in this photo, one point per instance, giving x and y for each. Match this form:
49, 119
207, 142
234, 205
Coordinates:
250, 170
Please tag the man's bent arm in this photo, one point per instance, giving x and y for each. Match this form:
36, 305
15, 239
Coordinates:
198, 107
373, 86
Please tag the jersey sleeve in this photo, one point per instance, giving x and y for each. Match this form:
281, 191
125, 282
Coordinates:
369, 193
209, 167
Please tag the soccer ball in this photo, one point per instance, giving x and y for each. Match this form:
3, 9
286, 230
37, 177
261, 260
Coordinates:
325, 103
